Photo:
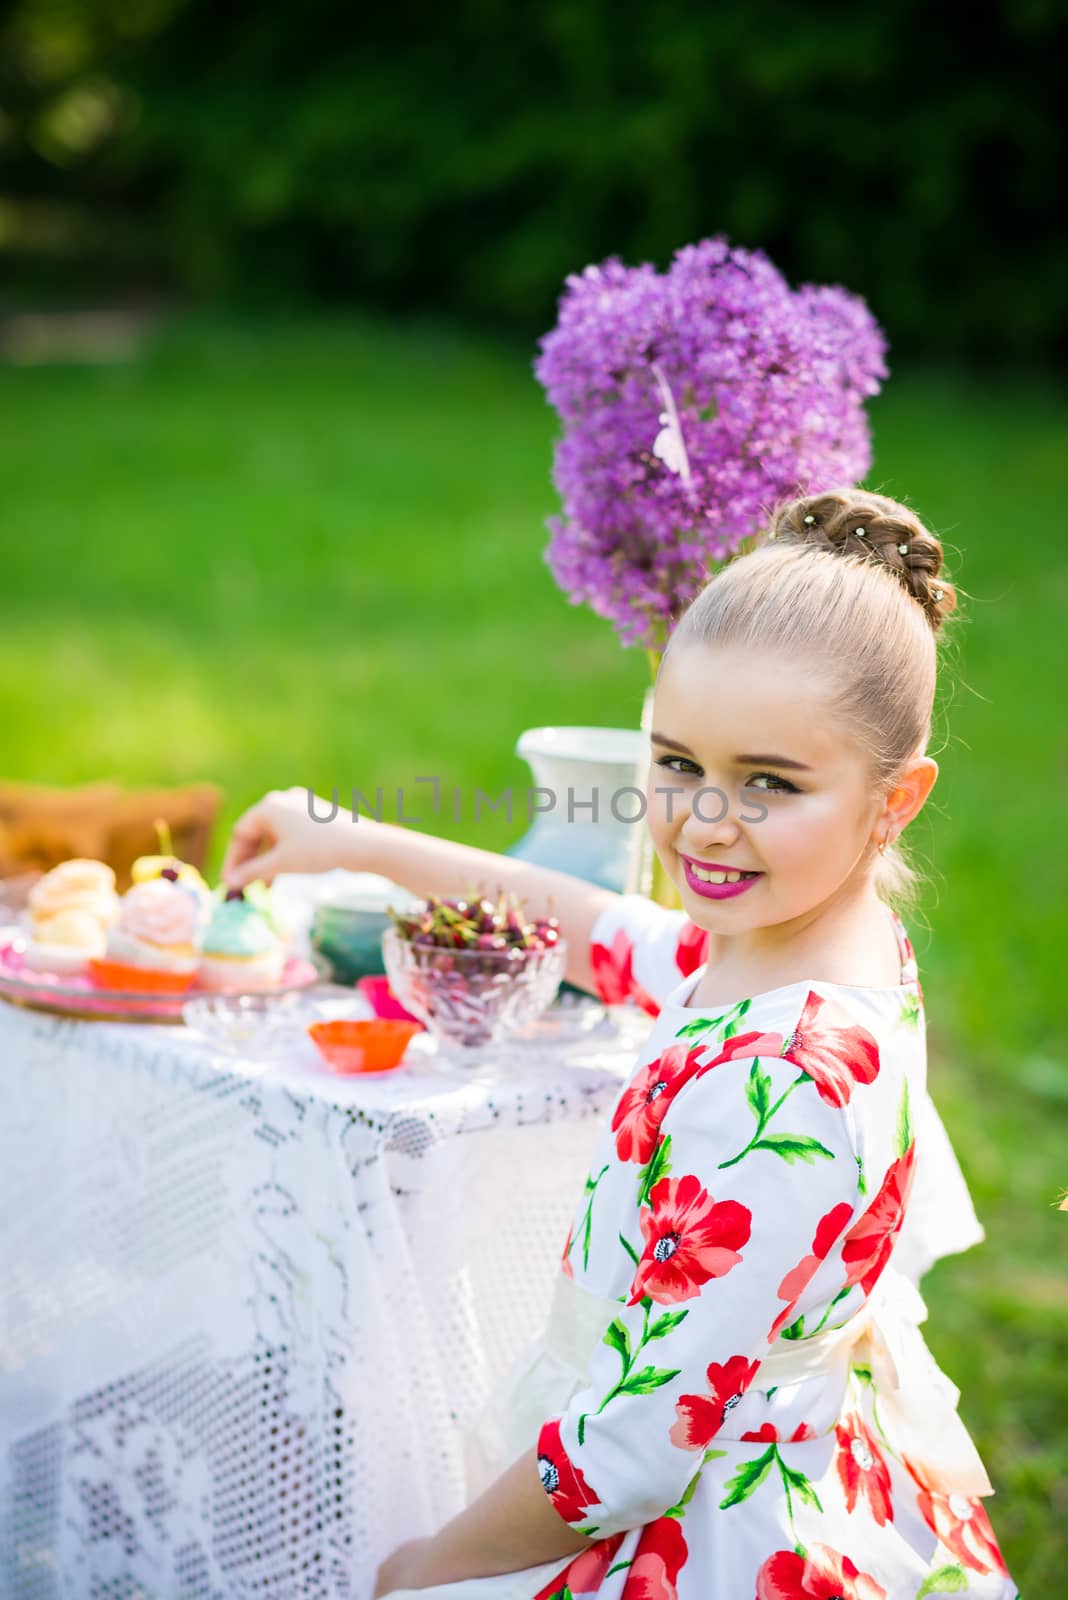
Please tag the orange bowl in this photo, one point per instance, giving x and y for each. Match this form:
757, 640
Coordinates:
120, 976
366, 1046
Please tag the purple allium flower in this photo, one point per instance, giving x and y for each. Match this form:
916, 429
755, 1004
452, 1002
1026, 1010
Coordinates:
692, 401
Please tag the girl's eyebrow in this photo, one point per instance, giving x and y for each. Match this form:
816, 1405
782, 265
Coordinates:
742, 760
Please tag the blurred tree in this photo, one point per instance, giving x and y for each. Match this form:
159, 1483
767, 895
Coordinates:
466, 158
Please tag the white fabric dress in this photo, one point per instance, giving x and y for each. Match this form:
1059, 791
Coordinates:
731, 1397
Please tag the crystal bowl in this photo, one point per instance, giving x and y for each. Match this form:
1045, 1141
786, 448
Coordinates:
469, 998
245, 1024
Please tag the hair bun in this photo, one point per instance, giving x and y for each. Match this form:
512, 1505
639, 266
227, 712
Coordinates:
872, 527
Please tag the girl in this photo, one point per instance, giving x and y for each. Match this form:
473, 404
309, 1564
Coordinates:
732, 1398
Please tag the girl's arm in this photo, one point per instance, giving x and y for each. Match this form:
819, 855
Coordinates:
279, 834
511, 1526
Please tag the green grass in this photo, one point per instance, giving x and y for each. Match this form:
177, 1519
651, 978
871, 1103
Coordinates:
313, 554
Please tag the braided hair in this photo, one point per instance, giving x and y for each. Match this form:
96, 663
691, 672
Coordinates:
871, 527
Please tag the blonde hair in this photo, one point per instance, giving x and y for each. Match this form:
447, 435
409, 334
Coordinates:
829, 584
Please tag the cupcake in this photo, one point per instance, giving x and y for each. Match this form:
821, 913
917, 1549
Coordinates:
241, 950
156, 928
146, 869
70, 910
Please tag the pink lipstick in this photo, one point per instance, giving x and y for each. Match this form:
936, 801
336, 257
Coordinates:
717, 891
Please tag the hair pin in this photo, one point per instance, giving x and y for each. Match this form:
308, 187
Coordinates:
903, 549
937, 593
861, 533
809, 520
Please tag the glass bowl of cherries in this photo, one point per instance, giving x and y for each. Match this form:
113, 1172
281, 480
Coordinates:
473, 970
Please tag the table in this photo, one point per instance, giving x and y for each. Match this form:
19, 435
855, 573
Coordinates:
249, 1309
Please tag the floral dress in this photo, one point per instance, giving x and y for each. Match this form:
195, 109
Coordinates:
736, 1401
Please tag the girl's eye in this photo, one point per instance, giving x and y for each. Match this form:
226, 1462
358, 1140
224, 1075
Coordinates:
787, 786
669, 763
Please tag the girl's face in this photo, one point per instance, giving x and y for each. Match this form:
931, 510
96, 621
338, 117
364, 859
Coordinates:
795, 804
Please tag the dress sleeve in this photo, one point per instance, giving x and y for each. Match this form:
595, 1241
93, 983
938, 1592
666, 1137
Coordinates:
641, 951
738, 1225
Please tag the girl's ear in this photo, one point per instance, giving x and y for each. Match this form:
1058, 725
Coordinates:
904, 801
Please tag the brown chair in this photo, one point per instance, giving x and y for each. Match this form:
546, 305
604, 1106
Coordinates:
42, 826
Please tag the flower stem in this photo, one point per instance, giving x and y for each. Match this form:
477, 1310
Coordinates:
765, 1119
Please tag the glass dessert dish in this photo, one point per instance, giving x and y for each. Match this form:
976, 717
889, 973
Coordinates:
251, 1025
470, 1000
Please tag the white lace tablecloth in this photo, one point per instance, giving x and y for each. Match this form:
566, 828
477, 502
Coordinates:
246, 1309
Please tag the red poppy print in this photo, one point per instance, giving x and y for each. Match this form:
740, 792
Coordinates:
798, 1278
961, 1524
746, 1045
700, 1416
835, 1052
822, 1574
689, 1238
642, 1106
861, 1469
568, 1490
691, 951
644, 1103
658, 1560
613, 974
585, 1574
768, 1433
870, 1240
565, 1260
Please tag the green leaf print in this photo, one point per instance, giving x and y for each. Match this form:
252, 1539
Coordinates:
620, 1566
694, 1030
758, 1093
750, 1476
910, 1011
590, 1192
794, 1147
658, 1166
904, 1122
663, 1325
947, 1580
733, 1025
648, 1379
758, 1090
616, 1337
629, 1248
797, 1480
729, 1022
679, 1510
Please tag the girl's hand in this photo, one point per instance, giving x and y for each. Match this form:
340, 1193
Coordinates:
401, 1570
280, 834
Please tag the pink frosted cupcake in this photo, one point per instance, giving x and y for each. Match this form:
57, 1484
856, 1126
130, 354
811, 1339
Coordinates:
156, 928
